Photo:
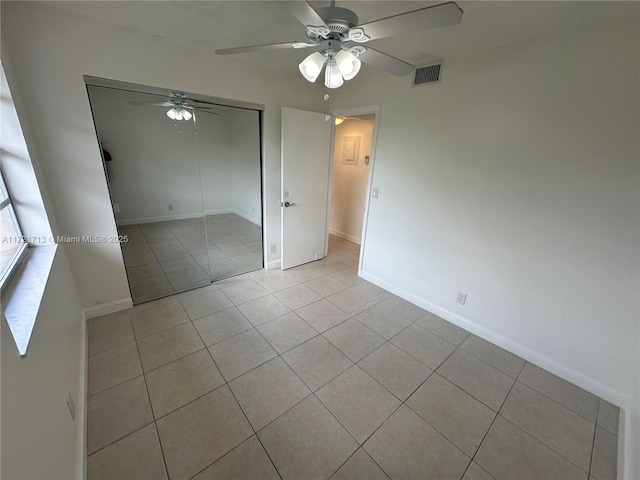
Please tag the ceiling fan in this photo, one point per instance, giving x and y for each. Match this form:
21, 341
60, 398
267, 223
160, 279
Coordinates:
338, 36
182, 108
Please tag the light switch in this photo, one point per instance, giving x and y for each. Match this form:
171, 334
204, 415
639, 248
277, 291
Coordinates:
374, 192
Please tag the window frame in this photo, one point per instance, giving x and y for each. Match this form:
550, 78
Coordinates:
24, 281
20, 253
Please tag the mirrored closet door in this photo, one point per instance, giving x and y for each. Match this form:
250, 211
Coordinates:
184, 176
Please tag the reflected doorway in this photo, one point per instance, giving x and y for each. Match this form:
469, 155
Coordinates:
187, 191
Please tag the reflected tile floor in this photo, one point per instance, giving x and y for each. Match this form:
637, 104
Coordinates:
315, 373
164, 258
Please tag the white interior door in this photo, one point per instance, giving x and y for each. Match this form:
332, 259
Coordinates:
306, 155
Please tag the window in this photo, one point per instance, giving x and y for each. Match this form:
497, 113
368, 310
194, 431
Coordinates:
12, 243
27, 249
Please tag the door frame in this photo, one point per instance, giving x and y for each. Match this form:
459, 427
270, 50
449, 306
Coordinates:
354, 111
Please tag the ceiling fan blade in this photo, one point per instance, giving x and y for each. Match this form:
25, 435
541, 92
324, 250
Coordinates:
270, 46
385, 62
306, 14
191, 106
152, 104
443, 15
204, 111
193, 102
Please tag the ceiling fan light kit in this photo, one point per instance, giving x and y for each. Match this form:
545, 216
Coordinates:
311, 66
181, 107
179, 114
332, 76
334, 30
348, 64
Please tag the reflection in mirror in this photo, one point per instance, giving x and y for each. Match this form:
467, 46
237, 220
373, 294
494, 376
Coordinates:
232, 196
186, 193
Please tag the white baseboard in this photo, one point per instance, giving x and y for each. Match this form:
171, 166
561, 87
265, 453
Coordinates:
583, 381
346, 236
162, 218
624, 431
274, 264
629, 438
220, 211
626, 451
187, 216
253, 220
107, 307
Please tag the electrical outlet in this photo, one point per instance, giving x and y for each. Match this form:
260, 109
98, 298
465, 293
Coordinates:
72, 406
375, 193
170, 206
461, 298
273, 248
116, 207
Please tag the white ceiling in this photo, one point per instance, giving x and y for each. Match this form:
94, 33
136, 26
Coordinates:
223, 24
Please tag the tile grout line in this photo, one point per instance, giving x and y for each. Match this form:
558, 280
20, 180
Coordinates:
153, 421
377, 302
491, 426
402, 403
542, 443
177, 238
225, 384
265, 426
595, 422
120, 438
593, 444
153, 415
492, 422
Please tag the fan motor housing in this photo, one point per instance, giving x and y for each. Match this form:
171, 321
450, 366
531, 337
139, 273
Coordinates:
338, 19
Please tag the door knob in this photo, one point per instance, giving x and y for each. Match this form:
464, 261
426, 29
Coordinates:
287, 204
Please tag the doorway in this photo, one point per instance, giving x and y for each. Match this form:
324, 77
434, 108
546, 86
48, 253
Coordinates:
351, 174
322, 214
351, 159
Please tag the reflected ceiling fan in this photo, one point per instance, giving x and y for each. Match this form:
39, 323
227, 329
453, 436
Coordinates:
337, 35
181, 107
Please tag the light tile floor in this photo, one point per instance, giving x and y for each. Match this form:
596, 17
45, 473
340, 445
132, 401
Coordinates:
164, 258
315, 373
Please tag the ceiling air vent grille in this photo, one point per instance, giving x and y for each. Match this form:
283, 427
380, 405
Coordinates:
428, 74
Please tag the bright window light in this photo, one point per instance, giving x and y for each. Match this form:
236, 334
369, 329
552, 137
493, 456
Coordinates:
12, 243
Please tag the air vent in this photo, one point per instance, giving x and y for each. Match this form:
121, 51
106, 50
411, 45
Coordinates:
428, 74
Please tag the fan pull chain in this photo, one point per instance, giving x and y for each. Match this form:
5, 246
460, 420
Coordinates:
195, 125
327, 117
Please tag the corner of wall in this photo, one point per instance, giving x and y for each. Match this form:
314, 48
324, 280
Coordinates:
106, 308
629, 438
81, 468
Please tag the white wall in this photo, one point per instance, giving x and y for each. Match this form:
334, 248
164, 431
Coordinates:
155, 162
516, 180
38, 437
349, 182
215, 159
55, 49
